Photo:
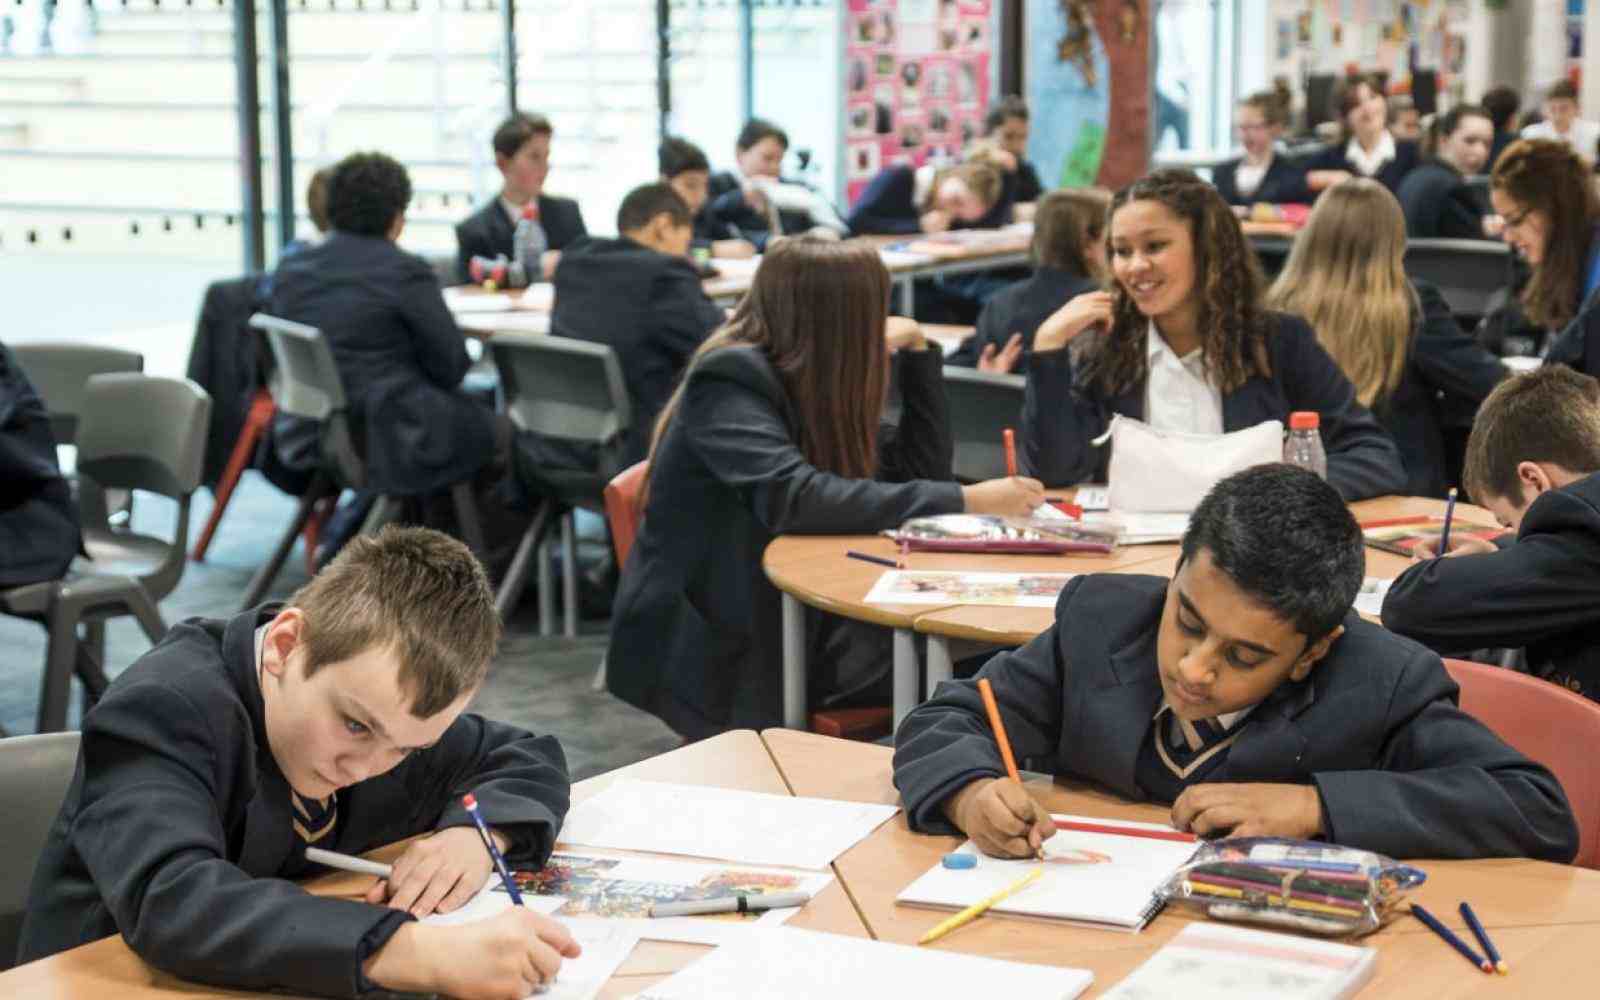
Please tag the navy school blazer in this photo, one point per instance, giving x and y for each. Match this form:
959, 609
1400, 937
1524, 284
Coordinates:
488, 231
1060, 418
1439, 203
1021, 308
1406, 157
176, 830
1375, 728
1283, 183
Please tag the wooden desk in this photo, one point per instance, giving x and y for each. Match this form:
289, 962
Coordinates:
1544, 918
739, 759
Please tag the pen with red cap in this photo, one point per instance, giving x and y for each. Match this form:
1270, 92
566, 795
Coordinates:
494, 852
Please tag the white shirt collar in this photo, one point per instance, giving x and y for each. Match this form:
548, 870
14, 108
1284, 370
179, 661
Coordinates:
1180, 394
1227, 721
1370, 163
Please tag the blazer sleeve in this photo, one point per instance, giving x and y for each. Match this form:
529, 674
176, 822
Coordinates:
743, 439
1028, 188
151, 834
1578, 346
989, 330
1460, 217
1060, 421
1222, 178
571, 225
1444, 785
886, 206
440, 348
921, 446
1546, 584
1448, 359
1362, 459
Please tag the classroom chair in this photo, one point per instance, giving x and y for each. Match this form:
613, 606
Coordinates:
1548, 724
982, 405
60, 373
1468, 273
35, 772
568, 391
135, 433
305, 383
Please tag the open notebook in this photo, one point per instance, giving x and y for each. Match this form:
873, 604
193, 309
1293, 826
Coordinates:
1209, 961
1105, 879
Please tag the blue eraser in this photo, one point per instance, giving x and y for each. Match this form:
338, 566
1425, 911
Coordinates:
959, 860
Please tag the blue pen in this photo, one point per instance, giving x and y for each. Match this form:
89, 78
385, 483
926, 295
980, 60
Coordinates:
494, 852
1483, 939
1449, 511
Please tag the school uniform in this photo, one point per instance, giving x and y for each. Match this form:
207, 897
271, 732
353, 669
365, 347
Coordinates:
695, 631
488, 232
179, 829
1061, 419
39, 533
890, 205
1375, 728
1541, 592
1447, 373
1282, 183
1439, 203
1402, 156
727, 216
1023, 183
1021, 308
647, 306
1502, 139
1578, 345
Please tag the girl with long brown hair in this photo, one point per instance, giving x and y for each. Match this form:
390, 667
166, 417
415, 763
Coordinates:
1397, 341
1182, 343
1546, 195
775, 430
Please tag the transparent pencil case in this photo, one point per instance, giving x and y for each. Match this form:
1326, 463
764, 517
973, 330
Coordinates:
992, 533
1297, 885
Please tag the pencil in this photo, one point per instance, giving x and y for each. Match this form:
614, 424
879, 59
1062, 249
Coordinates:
880, 560
1449, 512
1450, 938
1010, 438
1483, 939
976, 910
1004, 742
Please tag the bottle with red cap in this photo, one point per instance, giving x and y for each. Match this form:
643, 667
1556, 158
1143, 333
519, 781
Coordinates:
1303, 447
528, 243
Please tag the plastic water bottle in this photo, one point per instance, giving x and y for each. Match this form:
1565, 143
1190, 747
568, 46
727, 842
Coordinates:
1304, 444
528, 244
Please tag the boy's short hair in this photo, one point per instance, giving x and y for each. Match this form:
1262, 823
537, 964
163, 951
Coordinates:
515, 132
1502, 104
366, 192
1561, 89
1547, 415
1284, 537
416, 592
1004, 110
680, 156
317, 199
647, 201
757, 129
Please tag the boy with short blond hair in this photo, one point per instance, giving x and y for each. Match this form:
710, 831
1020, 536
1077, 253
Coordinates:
334, 721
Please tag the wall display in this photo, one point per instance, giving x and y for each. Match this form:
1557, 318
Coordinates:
1394, 37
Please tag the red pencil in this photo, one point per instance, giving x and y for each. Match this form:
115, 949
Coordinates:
1010, 438
1125, 831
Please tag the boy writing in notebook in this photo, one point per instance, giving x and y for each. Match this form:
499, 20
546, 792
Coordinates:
1244, 692
334, 721
1534, 461
684, 166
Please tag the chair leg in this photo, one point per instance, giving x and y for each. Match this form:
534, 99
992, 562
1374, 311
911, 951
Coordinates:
569, 575
149, 616
547, 587
90, 671
599, 682
384, 509
516, 578
269, 569
244, 449
60, 661
468, 519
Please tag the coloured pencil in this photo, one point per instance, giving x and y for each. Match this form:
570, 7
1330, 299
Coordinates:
1125, 831
1449, 512
1293, 903
1450, 938
1010, 438
880, 560
1274, 892
986, 690
1483, 939
976, 910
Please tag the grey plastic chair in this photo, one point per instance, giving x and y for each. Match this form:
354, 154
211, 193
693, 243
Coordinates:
35, 773
570, 390
305, 383
136, 433
60, 373
982, 406
1468, 273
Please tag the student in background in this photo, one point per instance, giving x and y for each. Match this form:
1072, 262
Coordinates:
1405, 121
1366, 147
739, 207
1261, 175
639, 294
1181, 342
39, 534
1562, 124
317, 209
1437, 200
1534, 461
1069, 258
775, 430
685, 167
336, 721
1397, 342
522, 152
1502, 104
1245, 692
1006, 126
929, 199
1545, 194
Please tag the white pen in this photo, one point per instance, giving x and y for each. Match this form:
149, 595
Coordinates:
730, 904
333, 859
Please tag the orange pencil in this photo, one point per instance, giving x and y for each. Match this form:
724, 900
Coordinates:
987, 690
1010, 438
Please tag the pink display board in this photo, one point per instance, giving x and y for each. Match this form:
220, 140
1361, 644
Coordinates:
916, 82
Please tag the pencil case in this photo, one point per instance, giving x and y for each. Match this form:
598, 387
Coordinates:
1296, 885
991, 533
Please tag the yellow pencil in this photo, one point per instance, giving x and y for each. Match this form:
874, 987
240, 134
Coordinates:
977, 909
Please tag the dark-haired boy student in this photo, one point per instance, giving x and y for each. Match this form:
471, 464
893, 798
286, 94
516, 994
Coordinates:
1243, 691
522, 153
1534, 460
1006, 126
685, 167
640, 294
737, 209
335, 720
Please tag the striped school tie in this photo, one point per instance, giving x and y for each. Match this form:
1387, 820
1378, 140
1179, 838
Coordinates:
314, 818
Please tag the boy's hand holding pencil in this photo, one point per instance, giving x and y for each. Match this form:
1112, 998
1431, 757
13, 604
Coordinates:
1001, 818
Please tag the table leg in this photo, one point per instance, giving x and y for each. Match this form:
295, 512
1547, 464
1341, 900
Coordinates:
908, 303
940, 665
905, 673
794, 663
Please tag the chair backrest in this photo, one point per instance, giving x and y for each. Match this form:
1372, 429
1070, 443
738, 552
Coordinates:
1547, 724
562, 388
1272, 252
445, 268
35, 772
1467, 273
305, 382
982, 406
140, 432
60, 375
624, 509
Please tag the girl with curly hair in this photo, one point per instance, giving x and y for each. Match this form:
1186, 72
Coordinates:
1181, 342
